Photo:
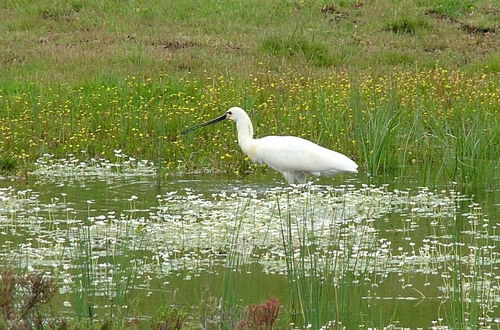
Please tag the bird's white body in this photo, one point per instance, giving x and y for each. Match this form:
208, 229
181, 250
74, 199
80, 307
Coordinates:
295, 157
292, 156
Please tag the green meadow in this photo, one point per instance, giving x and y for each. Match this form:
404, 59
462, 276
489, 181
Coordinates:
407, 89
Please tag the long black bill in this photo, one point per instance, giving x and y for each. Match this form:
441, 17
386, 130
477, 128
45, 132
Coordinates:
213, 121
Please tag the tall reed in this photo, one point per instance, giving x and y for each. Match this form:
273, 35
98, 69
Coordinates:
377, 132
325, 288
105, 293
468, 272
229, 305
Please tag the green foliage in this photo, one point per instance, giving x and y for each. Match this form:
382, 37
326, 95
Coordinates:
74, 41
489, 64
169, 317
377, 130
8, 163
405, 25
394, 58
314, 52
464, 286
87, 77
453, 8
426, 118
86, 285
323, 288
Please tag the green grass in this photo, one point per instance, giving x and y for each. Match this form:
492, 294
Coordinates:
287, 47
445, 121
464, 286
455, 8
75, 41
87, 77
377, 130
8, 163
405, 24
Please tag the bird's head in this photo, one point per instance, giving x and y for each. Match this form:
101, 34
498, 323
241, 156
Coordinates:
235, 114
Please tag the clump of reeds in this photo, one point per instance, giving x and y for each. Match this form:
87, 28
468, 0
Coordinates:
469, 276
169, 317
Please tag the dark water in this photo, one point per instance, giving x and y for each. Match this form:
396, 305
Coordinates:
403, 297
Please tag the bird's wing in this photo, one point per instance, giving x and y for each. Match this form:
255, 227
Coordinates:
290, 153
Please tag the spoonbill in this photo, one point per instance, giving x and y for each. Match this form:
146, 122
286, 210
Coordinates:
291, 156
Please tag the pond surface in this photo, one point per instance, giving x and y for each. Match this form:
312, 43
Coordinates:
141, 241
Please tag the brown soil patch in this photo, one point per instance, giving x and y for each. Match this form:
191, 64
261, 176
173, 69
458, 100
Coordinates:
82, 39
64, 16
357, 5
233, 46
332, 13
174, 45
467, 27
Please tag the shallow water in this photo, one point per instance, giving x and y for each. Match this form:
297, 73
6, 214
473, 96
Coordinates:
151, 241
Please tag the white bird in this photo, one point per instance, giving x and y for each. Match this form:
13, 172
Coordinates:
291, 156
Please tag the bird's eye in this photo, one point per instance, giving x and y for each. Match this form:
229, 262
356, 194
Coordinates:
229, 113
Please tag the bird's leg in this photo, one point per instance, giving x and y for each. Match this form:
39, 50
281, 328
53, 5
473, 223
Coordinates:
289, 176
300, 178
292, 177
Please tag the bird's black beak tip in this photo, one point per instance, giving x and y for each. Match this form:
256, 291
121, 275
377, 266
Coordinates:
213, 121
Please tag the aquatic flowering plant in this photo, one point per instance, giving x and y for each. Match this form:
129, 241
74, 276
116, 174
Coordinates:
319, 234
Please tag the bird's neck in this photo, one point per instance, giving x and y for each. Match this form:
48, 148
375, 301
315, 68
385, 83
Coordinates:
245, 135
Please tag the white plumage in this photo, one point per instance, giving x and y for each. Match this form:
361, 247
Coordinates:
292, 156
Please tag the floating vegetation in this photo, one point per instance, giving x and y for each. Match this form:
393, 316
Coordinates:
95, 168
13, 201
316, 234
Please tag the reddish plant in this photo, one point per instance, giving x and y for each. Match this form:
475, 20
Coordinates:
260, 316
20, 297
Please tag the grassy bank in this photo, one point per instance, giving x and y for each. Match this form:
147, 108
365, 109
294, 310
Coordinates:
389, 83
107, 40
444, 121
